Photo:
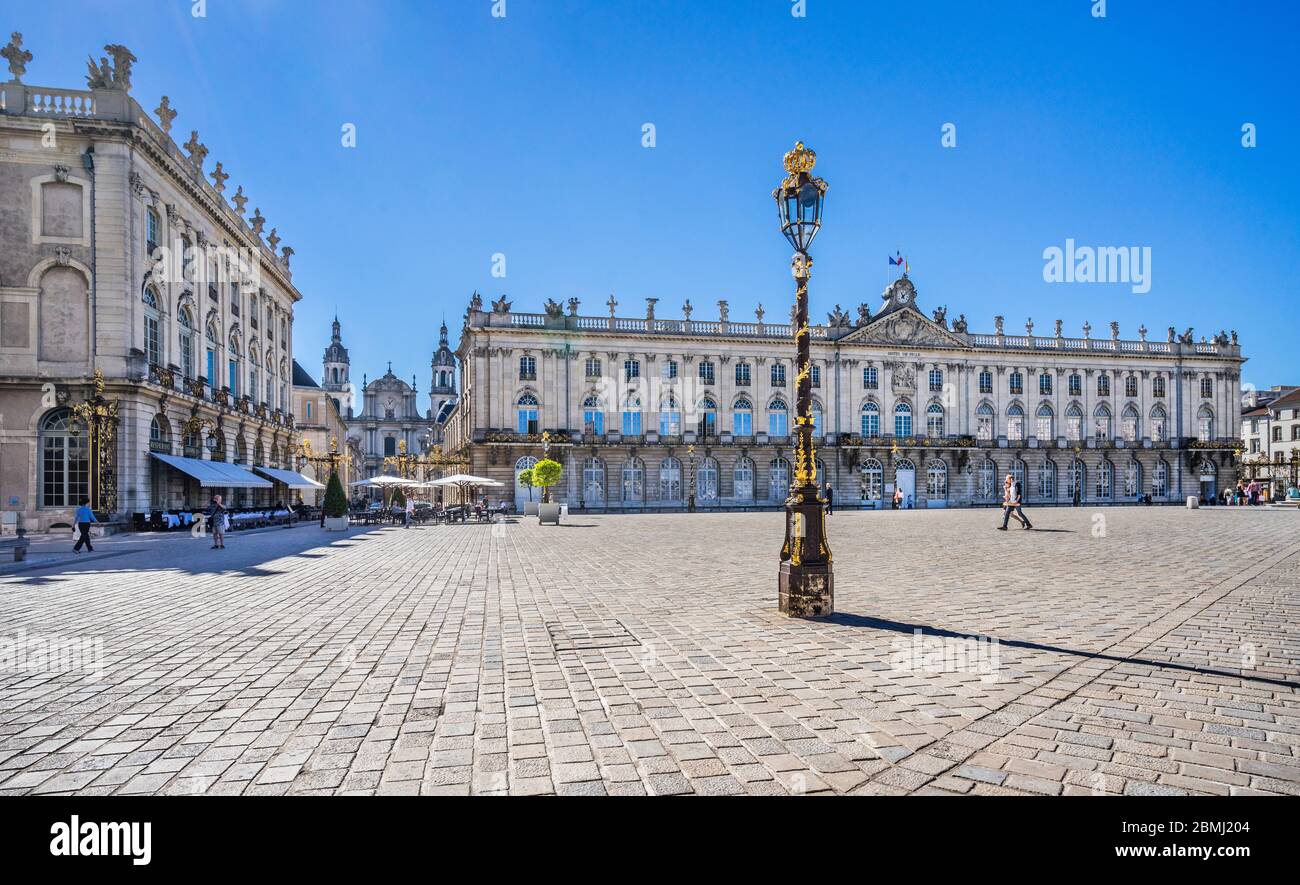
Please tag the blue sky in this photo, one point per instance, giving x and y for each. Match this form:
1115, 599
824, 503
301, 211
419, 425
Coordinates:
522, 136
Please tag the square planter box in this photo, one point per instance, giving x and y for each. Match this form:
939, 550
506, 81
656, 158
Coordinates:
530, 509
548, 514
336, 523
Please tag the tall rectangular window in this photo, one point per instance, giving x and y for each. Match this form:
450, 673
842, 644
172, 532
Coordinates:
870, 378
706, 372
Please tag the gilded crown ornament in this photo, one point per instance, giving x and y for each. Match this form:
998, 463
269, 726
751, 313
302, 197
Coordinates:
801, 159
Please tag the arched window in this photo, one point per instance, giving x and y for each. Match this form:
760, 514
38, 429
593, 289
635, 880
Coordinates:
1132, 478
742, 480
1159, 424
152, 328
1101, 422
1078, 479
1205, 424
593, 415
270, 382
259, 454
191, 443
778, 419
1129, 423
233, 355
778, 480
708, 409
902, 420
1047, 480
254, 380
210, 363
872, 480
984, 422
870, 419
526, 414
819, 427
241, 450
1043, 428
988, 480
742, 417
593, 481
1074, 422
284, 376
934, 421
160, 435
1105, 480
936, 481
633, 481
670, 480
1015, 423
632, 415
670, 417
706, 481
65, 461
186, 327
1160, 480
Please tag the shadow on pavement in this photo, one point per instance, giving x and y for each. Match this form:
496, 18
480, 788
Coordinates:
851, 620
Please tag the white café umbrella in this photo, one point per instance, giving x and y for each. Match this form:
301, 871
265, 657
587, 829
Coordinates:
464, 482
464, 479
381, 481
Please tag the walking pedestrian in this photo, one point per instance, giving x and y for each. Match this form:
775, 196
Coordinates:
1011, 501
85, 516
898, 498
217, 517
407, 513
830, 500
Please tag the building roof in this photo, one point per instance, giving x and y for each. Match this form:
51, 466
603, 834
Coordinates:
1261, 412
301, 377
1286, 401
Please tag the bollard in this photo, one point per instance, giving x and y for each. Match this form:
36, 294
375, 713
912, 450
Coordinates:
1193, 502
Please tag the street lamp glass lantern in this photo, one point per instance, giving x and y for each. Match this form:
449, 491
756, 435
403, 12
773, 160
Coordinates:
799, 199
211, 442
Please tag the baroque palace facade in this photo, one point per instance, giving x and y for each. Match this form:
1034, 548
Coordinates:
145, 322
644, 411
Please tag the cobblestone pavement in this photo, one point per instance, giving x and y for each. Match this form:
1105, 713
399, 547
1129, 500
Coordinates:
1138, 651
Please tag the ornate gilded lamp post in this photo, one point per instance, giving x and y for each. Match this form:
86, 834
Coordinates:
806, 581
100, 417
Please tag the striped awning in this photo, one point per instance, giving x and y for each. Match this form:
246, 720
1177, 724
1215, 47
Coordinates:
215, 474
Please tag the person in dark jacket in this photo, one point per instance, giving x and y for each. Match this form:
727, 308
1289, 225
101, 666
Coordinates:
830, 500
217, 518
85, 516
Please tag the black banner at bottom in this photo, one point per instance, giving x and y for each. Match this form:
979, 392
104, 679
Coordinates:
219, 835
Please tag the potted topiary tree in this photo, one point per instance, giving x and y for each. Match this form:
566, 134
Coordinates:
336, 504
526, 480
546, 473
